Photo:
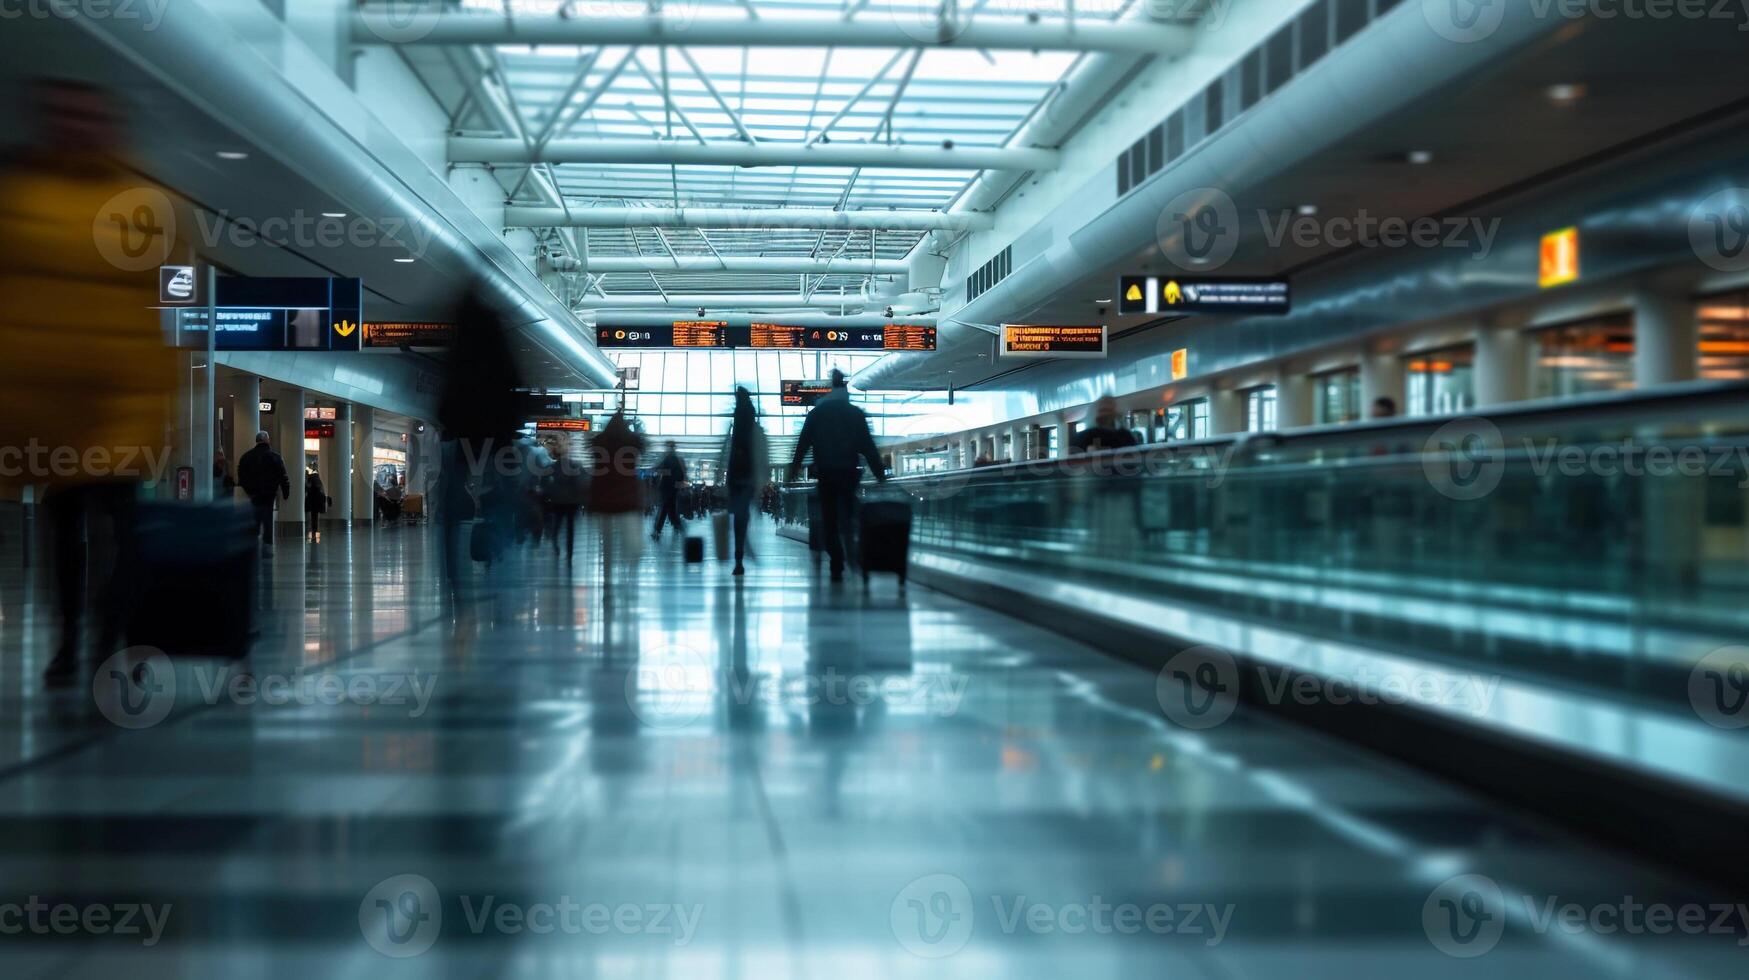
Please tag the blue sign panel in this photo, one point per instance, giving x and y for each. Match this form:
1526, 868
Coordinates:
282, 314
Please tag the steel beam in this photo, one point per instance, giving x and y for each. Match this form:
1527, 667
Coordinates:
428, 26
775, 264
582, 216
498, 150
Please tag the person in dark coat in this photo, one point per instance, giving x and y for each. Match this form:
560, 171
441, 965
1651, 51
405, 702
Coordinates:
746, 466
616, 494
261, 474
315, 504
837, 434
670, 475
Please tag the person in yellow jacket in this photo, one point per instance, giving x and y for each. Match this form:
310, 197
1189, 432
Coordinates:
86, 378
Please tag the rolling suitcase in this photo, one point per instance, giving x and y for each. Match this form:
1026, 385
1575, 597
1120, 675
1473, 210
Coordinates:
197, 566
694, 550
884, 538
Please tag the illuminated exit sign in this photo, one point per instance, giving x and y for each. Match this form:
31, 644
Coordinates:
1558, 262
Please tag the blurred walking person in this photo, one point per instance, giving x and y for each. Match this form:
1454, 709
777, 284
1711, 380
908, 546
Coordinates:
261, 474
837, 434
746, 466
315, 505
85, 368
670, 476
616, 495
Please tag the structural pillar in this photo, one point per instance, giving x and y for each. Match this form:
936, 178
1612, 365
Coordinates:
1665, 332
1502, 369
1293, 400
336, 465
364, 469
287, 431
1381, 376
1226, 413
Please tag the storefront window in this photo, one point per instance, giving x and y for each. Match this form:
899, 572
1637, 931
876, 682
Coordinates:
1440, 382
1337, 396
1581, 358
1723, 344
1188, 420
1260, 409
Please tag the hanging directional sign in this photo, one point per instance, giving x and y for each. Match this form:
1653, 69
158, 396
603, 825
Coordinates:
297, 314
1169, 294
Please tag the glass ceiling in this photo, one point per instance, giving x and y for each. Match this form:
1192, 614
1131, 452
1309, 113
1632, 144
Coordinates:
781, 95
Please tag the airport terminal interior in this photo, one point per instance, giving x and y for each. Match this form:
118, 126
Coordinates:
874, 488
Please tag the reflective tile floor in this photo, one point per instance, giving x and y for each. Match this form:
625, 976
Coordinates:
694, 776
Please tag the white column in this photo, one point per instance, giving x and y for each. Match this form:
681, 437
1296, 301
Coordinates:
246, 403
1226, 413
363, 463
1381, 376
1502, 366
1665, 332
288, 438
1293, 399
336, 455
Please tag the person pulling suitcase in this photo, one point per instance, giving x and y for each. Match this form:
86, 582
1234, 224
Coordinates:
837, 434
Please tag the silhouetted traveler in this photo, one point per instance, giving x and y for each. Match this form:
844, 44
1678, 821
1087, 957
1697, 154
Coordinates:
315, 505
84, 367
746, 467
670, 474
837, 434
616, 495
261, 474
1384, 407
1104, 433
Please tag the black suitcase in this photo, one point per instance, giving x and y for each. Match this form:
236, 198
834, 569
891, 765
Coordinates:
197, 574
884, 538
694, 550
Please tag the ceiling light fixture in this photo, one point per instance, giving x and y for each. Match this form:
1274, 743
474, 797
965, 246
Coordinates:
1566, 93
404, 260
1307, 210
1420, 157
333, 214
232, 155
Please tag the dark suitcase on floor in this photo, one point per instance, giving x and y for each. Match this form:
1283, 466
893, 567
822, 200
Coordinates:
694, 550
884, 537
196, 594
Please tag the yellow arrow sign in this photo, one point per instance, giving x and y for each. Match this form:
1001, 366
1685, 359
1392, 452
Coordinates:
345, 328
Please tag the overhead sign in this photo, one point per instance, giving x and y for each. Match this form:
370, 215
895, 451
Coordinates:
534, 406
318, 430
297, 314
1181, 364
719, 335
267, 406
803, 393
409, 334
1032, 340
563, 425
1558, 259
176, 286
1168, 294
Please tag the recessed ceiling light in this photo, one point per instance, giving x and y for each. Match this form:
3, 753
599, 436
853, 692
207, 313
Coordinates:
333, 214
404, 260
1566, 93
1308, 209
1419, 157
232, 155
1102, 301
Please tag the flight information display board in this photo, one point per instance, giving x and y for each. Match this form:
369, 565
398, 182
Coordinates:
398, 335
563, 425
1167, 294
1033, 340
720, 335
803, 393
